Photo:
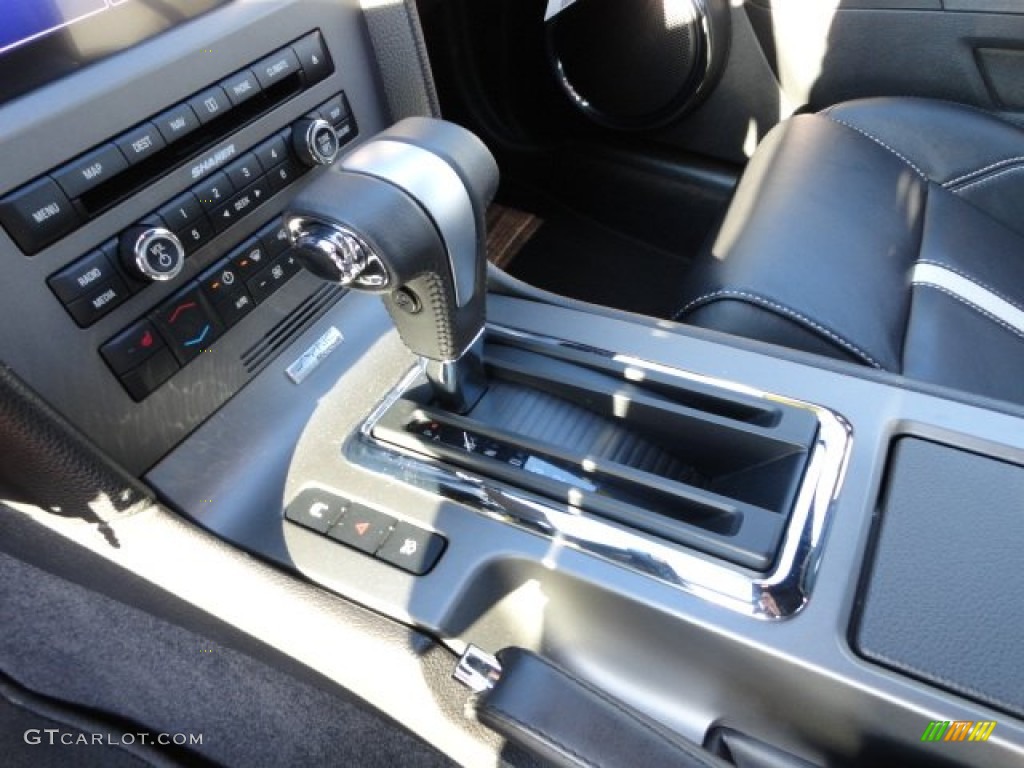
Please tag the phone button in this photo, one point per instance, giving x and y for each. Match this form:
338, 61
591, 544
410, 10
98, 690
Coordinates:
316, 509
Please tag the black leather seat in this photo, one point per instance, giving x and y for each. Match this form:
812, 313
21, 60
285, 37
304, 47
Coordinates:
884, 231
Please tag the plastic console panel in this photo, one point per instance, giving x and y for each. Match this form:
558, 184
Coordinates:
687, 658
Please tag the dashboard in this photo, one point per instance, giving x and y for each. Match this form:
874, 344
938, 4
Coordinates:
151, 297
95, 162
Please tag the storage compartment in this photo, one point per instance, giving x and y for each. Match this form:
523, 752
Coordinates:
941, 597
696, 465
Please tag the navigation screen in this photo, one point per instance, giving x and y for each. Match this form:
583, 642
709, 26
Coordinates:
27, 20
42, 40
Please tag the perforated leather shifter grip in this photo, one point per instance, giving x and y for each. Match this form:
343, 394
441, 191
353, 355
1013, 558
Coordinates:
413, 199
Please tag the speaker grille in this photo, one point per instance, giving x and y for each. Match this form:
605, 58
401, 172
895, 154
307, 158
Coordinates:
629, 61
282, 334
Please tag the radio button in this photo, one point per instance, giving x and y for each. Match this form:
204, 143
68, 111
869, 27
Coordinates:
181, 212
90, 170
240, 205
196, 236
272, 152
276, 67
210, 105
85, 274
141, 143
38, 214
244, 171
283, 175
241, 86
214, 192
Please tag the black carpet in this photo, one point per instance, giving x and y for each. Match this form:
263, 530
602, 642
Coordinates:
124, 666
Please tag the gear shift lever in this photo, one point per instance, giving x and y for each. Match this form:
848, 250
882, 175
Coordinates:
403, 216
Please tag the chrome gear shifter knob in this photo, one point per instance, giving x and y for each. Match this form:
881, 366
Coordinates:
403, 216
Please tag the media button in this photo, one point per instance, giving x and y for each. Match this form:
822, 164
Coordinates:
98, 301
90, 170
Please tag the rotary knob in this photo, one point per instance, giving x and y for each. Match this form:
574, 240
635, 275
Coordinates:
315, 141
152, 253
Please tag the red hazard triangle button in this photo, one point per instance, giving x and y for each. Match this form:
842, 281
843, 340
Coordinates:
363, 528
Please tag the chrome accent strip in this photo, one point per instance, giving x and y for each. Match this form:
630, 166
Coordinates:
779, 594
458, 384
477, 670
437, 188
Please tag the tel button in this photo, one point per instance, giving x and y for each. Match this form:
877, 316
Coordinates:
132, 347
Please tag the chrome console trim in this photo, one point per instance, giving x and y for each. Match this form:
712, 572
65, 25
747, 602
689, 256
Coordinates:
778, 594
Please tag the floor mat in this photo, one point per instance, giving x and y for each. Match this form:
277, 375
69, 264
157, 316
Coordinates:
575, 256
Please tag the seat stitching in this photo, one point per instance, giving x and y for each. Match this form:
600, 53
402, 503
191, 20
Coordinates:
615, 705
987, 179
980, 171
544, 736
973, 279
782, 309
975, 307
880, 143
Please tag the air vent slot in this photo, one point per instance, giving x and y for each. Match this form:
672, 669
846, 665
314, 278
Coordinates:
282, 334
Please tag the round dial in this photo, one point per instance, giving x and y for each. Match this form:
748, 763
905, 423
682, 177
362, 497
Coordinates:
315, 141
152, 253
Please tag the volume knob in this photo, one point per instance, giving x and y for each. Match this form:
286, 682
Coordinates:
315, 141
152, 253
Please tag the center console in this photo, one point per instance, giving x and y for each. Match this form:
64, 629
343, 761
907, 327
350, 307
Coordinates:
231, 265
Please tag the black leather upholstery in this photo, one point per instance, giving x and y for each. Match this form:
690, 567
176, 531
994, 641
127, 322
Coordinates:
833, 214
568, 723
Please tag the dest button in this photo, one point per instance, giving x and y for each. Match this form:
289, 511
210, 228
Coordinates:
363, 528
316, 509
412, 549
